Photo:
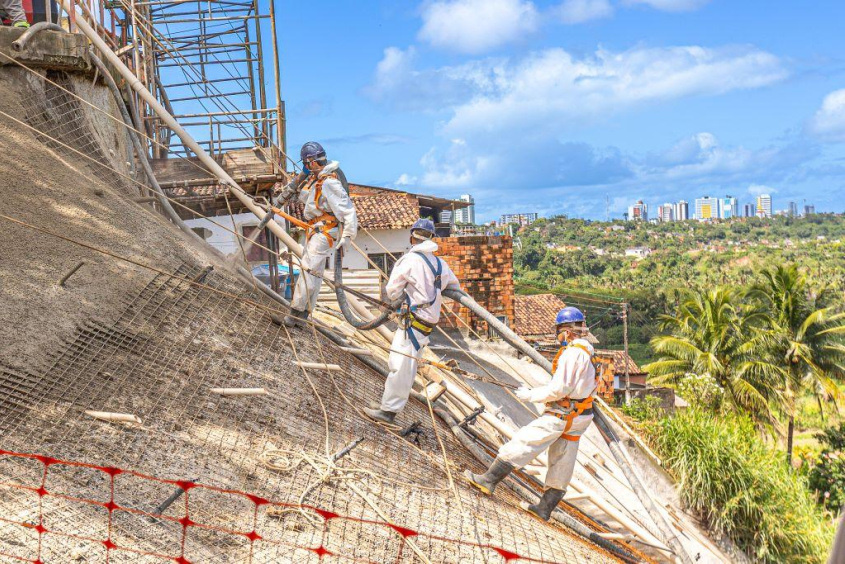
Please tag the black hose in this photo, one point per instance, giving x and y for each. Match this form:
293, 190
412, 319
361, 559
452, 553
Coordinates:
348, 314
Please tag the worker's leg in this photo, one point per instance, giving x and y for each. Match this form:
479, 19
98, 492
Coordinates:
313, 260
403, 362
14, 9
525, 445
531, 440
562, 455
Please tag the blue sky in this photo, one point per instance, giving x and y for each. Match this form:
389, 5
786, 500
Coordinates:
552, 106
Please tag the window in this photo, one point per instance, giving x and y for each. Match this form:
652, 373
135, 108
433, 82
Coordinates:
384, 261
256, 253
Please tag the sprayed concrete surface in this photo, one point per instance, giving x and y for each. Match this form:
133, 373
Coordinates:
122, 338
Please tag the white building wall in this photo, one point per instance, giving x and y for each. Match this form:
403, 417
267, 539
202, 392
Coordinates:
220, 238
394, 240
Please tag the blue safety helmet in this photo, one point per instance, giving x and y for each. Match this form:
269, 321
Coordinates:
424, 224
569, 314
311, 150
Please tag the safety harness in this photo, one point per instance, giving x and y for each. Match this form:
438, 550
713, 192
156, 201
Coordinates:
406, 313
570, 407
327, 220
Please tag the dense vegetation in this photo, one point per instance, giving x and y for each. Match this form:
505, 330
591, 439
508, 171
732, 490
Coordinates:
741, 487
574, 257
746, 320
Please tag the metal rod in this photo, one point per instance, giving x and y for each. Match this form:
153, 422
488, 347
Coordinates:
71, 273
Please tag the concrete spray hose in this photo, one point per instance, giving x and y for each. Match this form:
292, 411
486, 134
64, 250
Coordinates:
346, 309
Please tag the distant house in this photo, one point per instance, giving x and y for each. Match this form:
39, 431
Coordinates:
638, 252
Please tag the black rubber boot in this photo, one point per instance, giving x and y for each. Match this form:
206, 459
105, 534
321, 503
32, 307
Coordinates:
380, 415
295, 318
488, 481
543, 508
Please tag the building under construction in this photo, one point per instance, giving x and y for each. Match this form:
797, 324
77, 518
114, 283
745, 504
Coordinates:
152, 409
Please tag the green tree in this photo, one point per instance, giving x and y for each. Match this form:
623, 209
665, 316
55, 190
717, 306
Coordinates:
715, 335
807, 338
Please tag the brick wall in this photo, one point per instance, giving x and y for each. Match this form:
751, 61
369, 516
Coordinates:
484, 265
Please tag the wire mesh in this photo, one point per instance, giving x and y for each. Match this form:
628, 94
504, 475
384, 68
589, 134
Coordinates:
169, 346
158, 361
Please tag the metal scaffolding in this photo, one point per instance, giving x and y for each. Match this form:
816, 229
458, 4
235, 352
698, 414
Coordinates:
204, 61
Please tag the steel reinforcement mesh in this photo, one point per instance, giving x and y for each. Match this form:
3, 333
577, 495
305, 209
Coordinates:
97, 490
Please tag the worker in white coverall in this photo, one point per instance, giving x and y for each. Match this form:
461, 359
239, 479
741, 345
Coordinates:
419, 276
15, 12
330, 214
567, 415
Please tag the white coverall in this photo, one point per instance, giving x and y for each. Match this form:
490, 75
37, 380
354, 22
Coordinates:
14, 10
337, 202
411, 276
574, 378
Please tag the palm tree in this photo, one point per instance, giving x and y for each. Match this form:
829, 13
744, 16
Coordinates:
808, 338
715, 334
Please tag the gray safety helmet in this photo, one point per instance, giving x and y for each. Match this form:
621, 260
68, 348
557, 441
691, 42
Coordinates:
311, 150
423, 228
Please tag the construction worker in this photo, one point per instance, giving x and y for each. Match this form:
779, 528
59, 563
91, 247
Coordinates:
330, 214
568, 414
14, 11
419, 276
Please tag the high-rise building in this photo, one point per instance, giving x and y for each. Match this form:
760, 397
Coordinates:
706, 208
467, 214
809, 209
666, 213
728, 208
748, 210
792, 210
638, 212
764, 205
682, 211
518, 218
446, 216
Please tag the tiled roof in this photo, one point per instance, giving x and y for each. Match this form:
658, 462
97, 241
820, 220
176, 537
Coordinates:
619, 359
535, 315
385, 209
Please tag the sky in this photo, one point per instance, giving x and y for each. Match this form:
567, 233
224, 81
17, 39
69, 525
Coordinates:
559, 107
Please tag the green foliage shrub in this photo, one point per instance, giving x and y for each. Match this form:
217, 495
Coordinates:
742, 488
644, 409
827, 476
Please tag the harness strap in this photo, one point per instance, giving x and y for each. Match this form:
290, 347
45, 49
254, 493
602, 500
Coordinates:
438, 272
328, 219
581, 407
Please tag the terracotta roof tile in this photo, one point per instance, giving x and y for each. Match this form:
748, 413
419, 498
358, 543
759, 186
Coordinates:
535, 315
619, 359
385, 210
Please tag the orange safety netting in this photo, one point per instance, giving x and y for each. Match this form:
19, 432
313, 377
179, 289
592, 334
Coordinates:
40, 526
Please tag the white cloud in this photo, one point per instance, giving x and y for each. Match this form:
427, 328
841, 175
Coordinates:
758, 189
580, 11
671, 5
477, 26
405, 179
829, 121
556, 90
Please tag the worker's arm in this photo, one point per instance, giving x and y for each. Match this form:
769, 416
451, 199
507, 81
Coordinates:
289, 191
399, 277
341, 206
570, 367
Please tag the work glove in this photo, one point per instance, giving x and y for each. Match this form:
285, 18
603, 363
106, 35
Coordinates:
523, 393
344, 242
286, 194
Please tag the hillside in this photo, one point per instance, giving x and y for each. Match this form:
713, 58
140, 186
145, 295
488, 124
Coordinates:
575, 257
